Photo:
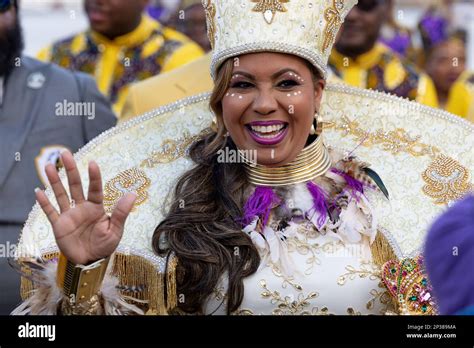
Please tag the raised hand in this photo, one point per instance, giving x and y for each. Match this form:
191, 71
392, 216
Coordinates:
83, 231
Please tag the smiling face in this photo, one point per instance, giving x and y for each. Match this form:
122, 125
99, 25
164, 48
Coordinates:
270, 105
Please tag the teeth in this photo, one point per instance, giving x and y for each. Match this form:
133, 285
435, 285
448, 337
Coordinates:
267, 129
269, 136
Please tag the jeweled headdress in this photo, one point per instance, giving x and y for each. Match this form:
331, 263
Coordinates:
304, 28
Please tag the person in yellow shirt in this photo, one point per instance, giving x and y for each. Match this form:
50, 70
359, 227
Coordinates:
461, 96
362, 61
190, 79
122, 46
190, 19
445, 62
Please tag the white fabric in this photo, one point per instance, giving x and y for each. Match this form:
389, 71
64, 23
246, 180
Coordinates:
304, 271
343, 278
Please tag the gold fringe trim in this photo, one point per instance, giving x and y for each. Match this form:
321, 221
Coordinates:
26, 285
135, 271
382, 251
171, 287
132, 271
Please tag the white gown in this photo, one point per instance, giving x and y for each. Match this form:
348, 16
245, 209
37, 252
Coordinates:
306, 272
331, 279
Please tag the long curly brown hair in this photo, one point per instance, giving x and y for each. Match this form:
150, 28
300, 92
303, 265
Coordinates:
202, 227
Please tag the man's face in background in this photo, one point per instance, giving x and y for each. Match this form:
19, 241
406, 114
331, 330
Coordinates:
113, 18
193, 25
11, 42
361, 29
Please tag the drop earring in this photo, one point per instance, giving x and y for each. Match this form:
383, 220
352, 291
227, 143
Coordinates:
314, 130
214, 124
319, 124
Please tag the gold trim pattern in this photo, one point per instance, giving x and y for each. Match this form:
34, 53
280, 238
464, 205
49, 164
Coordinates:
384, 297
171, 150
210, 9
446, 180
395, 142
135, 179
334, 20
286, 305
269, 8
302, 244
373, 272
286, 280
131, 180
368, 270
92, 306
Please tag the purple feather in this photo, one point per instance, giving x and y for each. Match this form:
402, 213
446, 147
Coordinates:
356, 186
400, 43
319, 202
434, 28
259, 204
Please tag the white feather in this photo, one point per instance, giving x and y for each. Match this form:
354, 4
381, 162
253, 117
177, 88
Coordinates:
353, 223
47, 296
300, 198
255, 236
273, 243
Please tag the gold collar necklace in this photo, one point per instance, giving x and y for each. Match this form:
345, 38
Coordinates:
312, 161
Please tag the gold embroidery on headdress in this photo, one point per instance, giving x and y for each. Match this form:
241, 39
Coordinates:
170, 151
135, 179
210, 9
132, 180
396, 141
446, 180
269, 8
334, 19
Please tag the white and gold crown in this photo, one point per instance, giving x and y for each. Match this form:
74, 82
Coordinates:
306, 28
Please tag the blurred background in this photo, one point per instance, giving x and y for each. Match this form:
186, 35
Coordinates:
45, 21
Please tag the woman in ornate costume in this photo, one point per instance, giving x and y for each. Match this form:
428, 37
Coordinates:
265, 218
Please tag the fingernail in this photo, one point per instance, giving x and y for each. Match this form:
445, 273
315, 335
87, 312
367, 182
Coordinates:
62, 152
37, 189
